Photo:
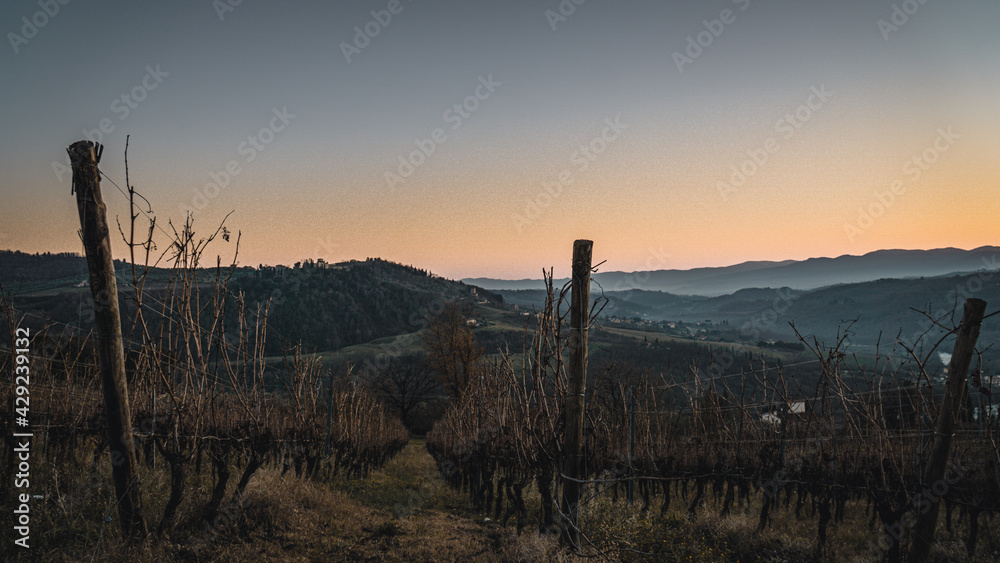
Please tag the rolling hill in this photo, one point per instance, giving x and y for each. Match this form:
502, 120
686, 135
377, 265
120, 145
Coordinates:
802, 275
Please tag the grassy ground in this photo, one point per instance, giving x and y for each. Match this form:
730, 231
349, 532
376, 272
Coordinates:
634, 535
405, 512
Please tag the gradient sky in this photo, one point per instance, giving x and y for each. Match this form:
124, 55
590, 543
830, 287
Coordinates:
479, 205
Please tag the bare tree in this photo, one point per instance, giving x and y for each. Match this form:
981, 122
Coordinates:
406, 383
452, 350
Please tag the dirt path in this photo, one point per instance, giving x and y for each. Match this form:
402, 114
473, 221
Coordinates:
416, 517
402, 512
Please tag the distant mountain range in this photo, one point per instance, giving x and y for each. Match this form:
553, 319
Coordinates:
324, 306
329, 306
799, 275
883, 307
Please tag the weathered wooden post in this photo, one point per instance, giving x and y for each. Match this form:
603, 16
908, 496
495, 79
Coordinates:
84, 156
631, 446
329, 418
954, 394
579, 322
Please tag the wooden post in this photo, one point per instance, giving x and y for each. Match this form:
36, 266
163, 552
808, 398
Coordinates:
947, 419
329, 418
84, 156
477, 471
579, 322
631, 446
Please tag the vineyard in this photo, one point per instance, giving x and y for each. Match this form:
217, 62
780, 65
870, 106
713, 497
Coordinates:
753, 442
208, 408
193, 403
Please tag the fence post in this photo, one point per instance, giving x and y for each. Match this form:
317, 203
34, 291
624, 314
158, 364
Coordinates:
84, 156
329, 418
579, 322
947, 419
631, 446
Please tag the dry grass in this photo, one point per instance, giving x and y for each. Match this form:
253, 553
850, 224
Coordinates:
628, 534
402, 512
405, 512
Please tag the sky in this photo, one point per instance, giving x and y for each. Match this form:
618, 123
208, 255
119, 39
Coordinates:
480, 138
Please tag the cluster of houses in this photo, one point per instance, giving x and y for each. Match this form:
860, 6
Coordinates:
901, 407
